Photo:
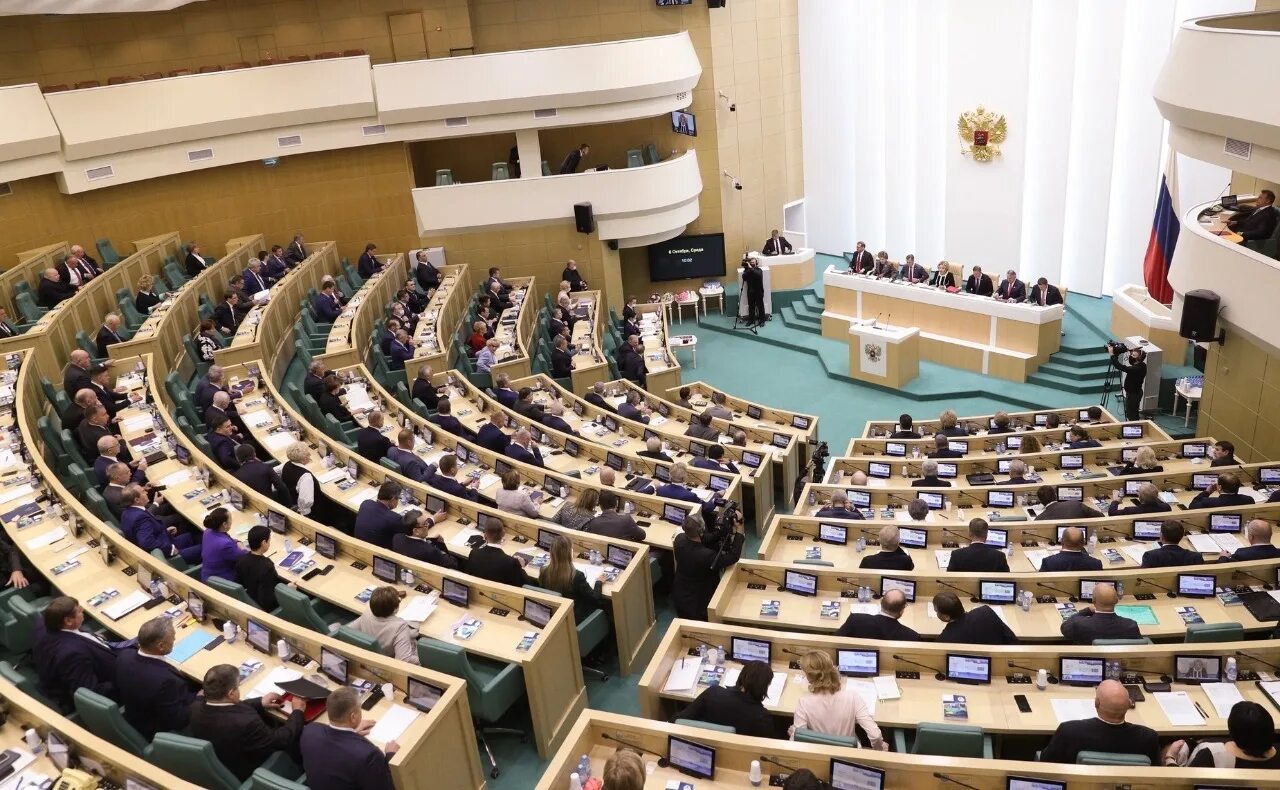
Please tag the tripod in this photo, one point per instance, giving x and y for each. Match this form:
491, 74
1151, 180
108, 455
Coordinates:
1107, 385
739, 324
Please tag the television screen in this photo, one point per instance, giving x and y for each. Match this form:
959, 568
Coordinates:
800, 583
1081, 670
999, 499
686, 257
334, 666
754, 412
859, 498
858, 663
744, 650
691, 758
963, 447
619, 557
896, 449
684, 122
675, 2
258, 635
536, 613
934, 501
946, 471
913, 538
851, 776
1196, 669
1131, 431
1146, 530
326, 547
1013, 442
832, 533
1071, 493
908, 588
455, 593
1225, 522
423, 696
997, 592
968, 669
997, 537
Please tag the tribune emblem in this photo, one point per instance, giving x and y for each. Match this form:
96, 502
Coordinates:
981, 133
873, 351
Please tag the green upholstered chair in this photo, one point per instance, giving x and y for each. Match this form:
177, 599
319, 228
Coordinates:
806, 735
546, 168
233, 589
592, 632
102, 717
299, 609
27, 615
444, 177
1215, 632
262, 779
107, 254
705, 725
27, 308
25, 684
946, 740
635, 158
194, 760
351, 636
499, 172
492, 687
1269, 246
1111, 758
651, 154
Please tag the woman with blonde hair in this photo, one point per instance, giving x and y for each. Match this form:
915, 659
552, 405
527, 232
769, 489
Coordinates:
830, 707
146, 297
950, 424
1144, 462
623, 771
559, 575
577, 513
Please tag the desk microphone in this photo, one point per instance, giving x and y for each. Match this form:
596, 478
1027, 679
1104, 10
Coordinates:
760, 575
703, 638
764, 758
1124, 535
814, 538
663, 762
503, 604
972, 598
945, 778
946, 531
1052, 540
963, 493
936, 674
1168, 591
1251, 656
901, 499
1070, 596
1266, 585
1052, 677
847, 580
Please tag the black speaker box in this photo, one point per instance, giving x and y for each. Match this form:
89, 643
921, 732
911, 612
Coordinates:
584, 218
1199, 315
716, 3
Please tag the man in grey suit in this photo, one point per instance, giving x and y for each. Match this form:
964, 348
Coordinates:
411, 464
700, 427
612, 524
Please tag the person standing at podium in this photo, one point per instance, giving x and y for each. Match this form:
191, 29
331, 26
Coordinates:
753, 283
861, 262
776, 245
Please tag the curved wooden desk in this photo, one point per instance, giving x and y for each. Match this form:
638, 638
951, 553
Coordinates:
1018, 419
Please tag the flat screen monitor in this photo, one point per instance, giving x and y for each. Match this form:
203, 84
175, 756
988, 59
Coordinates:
333, 666
664, 410
1025, 783
913, 538
1225, 522
455, 592
859, 498
1146, 530
618, 557
858, 663
614, 461
751, 460
662, 473
1083, 416
999, 499
754, 412
691, 758
1269, 475
997, 537
545, 538
182, 454
236, 499
423, 695
1087, 585
463, 456
1197, 669
908, 588
698, 451
550, 486
947, 471
1131, 486
896, 449
501, 467
719, 483
277, 523
258, 636
968, 669
879, 470
580, 409
1072, 461
781, 440
687, 257
800, 583
956, 446
385, 570
1041, 420
997, 591
1196, 585
571, 448
1002, 466
834, 534
1129, 454
683, 121
1201, 481
673, 513
1131, 431
610, 423
744, 650
1014, 442
326, 546
1194, 450
934, 500
650, 433
195, 606
536, 613
800, 423
1071, 493
851, 776
1081, 671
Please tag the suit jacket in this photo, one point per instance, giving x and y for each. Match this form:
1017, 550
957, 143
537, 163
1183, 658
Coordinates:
426, 392
372, 443
111, 401
368, 265
529, 410
557, 424
296, 252
948, 453
1016, 292
978, 626
327, 307
89, 434
507, 397
449, 423
1070, 561
731, 708
931, 482
451, 486
862, 262
697, 573
1260, 224
100, 465
979, 284
105, 339
342, 759
1082, 629
896, 560
193, 264
259, 476
1203, 500
492, 438
226, 316
224, 450
1068, 510
400, 354
839, 512
66, 661
599, 402
330, 403
7, 329
145, 531
615, 525
940, 280
74, 379
632, 413
313, 385
876, 626
1050, 296
429, 550
243, 734
571, 162
51, 294
529, 456
1168, 556
978, 558
494, 564
913, 272
155, 695
274, 268
1265, 551
1229, 460
378, 524
253, 282
778, 246
1114, 508
411, 464
700, 431
428, 276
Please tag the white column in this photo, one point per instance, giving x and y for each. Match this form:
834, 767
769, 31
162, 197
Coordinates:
530, 148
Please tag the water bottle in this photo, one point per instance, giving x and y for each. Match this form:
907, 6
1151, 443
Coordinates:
860, 545
864, 594
1112, 670
813, 497
915, 451
1093, 544
595, 557
1025, 600
1000, 447
584, 768
702, 651
720, 656
631, 468
1231, 669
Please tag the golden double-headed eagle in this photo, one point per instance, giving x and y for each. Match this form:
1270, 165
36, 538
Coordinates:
981, 133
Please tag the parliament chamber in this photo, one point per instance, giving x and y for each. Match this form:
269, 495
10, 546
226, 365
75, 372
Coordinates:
354, 431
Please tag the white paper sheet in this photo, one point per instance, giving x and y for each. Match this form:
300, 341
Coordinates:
258, 419
1228, 542
1136, 551
126, 604
886, 687
1072, 709
418, 608
1204, 544
17, 493
172, 479
592, 572
944, 558
1179, 708
1223, 696
278, 441
865, 689
1036, 556
366, 493
332, 475
463, 536
135, 424
684, 674
392, 724
489, 480
46, 538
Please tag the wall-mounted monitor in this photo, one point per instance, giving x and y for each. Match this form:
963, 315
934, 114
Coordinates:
684, 122
687, 257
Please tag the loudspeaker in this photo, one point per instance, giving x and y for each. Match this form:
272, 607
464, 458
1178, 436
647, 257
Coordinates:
716, 3
584, 218
1199, 315
613, 244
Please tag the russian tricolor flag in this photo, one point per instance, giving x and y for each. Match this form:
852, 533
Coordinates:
1164, 238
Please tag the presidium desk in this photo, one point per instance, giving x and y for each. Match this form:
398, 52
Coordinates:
1001, 339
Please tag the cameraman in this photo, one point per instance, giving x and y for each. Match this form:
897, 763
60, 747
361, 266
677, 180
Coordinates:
753, 283
1133, 366
700, 554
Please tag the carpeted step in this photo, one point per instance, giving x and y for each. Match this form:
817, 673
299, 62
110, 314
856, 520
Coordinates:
804, 323
1065, 382
1071, 367
814, 302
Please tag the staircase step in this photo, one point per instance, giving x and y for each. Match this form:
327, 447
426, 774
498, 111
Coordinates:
1067, 383
802, 322
1068, 367
814, 302
805, 311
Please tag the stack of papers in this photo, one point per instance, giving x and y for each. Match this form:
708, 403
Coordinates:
47, 538
333, 475
865, 689
126, 604
1212, 544
886, 687
684, 674
464, 535
368, 492
392, 724
259, 419
277, 441
944, 558
1179, 709
172, 479
418, 607
1073, 709
135, 424
1223, 696
1036, 556
1136, 550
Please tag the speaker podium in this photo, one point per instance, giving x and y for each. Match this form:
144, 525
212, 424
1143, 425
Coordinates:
884, 355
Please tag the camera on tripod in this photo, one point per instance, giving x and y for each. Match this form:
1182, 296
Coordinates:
723, 525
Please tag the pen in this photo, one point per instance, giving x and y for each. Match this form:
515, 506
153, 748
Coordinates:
1203, 715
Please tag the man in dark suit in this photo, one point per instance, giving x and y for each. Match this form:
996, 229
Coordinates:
75, 376
1261, 222
522, 448
490, 435
228, 314
978, 283
296, 253
715, 461
929, 476
243, 734
979, 626
1224, 454
411, 464
525, 406
978, 557
1011, 289
891, 557
275, 266
776, 245
371, 442
554, 418
574, 159
259, 476
74, 414
7, 329
95, 427
904, 428
52, 290
698, 565
338, 755
913, 272
67, 658
1045, 294
222, 445
503, 392
884, 625
1148, 502
1072, 556
100, 385
423, 389
1227, 491
194, 263
428, 276
401, 351
677, 489
313, 382
417, 545
633, 408
1099, 621
1058, 510
254, 281
74, 270
612, 523
838, 508
149, 533
1106, 732
861, 261
491, 562
596, 398
368, 265
942, 449
109, 454
445, 480
326, 304
155, 695
653, 449
108, 334
1260, 547
450, 423
376, 521
1170, 553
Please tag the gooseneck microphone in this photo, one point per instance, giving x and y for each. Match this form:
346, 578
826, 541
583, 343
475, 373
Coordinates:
1167, 591
501, 603
937, 675
972, 598
662, 761
764, 758
800, 532
760, 575
945, 778
1266, 585
1252, 657
1070, 596
955, 534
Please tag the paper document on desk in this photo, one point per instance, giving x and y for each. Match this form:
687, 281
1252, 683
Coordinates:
1179, 708
592, 572
139, 423
1072, 709
944, 558
1223, 696
1228, 542
886, 687
1036, 556
418, 608
259, 419
366, 493
684, 674
46, 538
392, 724
1203, 543
464, 535
173, 478
657, 419
865, 689
126, 604
333, 475
864, 608
487, 480
19, 778
1137, 550
776, 686
18, 491
279, 441
268, 684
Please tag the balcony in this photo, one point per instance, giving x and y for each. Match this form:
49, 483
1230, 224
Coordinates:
634, 205
29, 139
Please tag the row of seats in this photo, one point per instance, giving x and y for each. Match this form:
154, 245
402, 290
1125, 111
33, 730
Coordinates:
210, 69
501, 171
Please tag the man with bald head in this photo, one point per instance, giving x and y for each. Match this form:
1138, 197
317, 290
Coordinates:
52, 290
522, 448
1100, 621
75, 376
1258, 532
884, 624
1071, 557
1107, 732
891, 556
73, 414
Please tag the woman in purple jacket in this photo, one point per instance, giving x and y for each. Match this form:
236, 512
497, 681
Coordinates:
219, 551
